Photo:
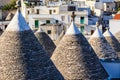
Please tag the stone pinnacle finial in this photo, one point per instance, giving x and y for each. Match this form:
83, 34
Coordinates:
18, 4
97, 24
73, 16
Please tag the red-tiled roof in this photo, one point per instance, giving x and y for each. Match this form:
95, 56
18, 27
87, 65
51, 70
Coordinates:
117, 16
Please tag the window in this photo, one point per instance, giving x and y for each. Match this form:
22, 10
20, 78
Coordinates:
81, 20
71, 8
97, 0
1, 29
37, 11
62, 18
28, 12
49, 31
36, 23
47, 21
54, 11
56, 21
5, 26
92, 31
82, 29
50, 11
72, 2
35, 3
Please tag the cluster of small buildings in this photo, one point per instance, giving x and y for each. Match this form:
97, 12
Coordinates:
55, 16
61, 41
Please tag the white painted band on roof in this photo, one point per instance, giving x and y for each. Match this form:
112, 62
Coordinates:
40, 30
97, 33
72, 29
108, 33
18, 23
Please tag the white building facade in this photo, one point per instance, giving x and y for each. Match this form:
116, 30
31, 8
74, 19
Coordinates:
57, 14
114, 25
98, 6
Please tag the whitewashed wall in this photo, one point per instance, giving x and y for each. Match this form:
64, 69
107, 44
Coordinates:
114, 26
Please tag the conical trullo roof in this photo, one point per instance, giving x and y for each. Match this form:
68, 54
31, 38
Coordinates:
117, 35
21, 55
9, 16
75, 58
60, 37
114, 43
101, 46
46, 41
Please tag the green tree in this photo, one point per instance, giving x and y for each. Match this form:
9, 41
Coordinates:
118, 9
10, 6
